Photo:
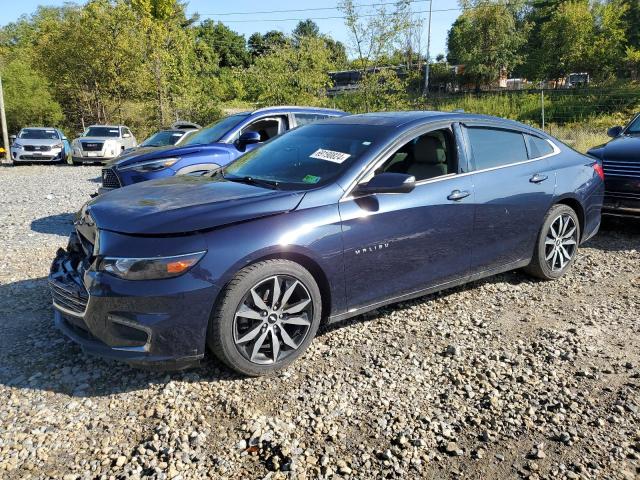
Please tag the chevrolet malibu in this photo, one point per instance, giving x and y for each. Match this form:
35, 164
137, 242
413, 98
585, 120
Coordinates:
323, 223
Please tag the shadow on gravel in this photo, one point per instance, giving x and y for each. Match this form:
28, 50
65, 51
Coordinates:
59, 224
97, 179
616, 234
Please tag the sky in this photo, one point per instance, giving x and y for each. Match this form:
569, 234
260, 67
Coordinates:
443, 15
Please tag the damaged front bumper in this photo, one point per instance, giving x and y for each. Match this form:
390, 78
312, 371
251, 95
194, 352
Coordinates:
159, 323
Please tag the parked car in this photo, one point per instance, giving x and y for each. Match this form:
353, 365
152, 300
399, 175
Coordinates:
324, 223
39, 144
210, 148
621, 162
174, 135
100, 143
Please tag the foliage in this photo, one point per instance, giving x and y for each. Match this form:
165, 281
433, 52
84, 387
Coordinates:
230, 46
291, 74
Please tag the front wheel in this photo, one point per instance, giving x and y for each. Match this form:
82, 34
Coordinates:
557, 244
266, 317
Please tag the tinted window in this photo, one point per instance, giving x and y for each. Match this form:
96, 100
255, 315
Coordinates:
163, 138
37, 134
307, 118
102, 132
214, 132
493, 147
634, 126
538, 147
307, 157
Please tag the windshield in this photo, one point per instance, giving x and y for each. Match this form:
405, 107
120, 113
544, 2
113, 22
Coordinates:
215, 131
634, 126
102, 132
163, 138
37, 134
307, 157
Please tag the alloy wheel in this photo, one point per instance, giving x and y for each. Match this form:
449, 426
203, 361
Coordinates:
273, 319
561, 242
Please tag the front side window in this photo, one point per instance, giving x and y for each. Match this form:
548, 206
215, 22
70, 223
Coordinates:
427, 156
102, 132
267, 127
494, 147
38, 134
307, 157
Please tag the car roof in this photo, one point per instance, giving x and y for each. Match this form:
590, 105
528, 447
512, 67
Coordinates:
39, 128
296, 109
406, 119
107, 126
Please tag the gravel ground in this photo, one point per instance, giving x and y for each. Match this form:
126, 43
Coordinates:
503, 378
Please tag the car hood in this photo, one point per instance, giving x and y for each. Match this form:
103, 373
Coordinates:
625, 147
156, 153
186, 204
39, 141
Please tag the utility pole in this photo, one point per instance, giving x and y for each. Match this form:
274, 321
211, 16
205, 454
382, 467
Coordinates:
3, 120
426, 70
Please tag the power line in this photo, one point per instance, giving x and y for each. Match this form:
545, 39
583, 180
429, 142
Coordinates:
316, 9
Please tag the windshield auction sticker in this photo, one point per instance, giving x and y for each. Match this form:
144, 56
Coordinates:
330, 155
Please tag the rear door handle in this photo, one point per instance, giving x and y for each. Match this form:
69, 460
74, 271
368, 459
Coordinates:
537, 178
458, 195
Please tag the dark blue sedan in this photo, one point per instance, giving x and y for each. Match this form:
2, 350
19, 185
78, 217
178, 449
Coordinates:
210, 148
621, 163
326, 222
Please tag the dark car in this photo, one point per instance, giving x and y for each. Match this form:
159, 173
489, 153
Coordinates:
175, 135
621, 163
210, 148
326, 222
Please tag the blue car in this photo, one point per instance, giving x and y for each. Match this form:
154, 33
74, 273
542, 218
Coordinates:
621, 163
210, 148
326, 222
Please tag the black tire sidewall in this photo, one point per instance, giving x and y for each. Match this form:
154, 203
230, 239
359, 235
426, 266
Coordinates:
554, 213
220, 332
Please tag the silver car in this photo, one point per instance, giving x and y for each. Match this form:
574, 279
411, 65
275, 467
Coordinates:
39, 144
100, 143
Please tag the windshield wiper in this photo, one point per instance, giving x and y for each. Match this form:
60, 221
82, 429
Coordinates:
253, 181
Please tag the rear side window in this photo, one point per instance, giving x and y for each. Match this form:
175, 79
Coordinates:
493, 147
538, 147
307, 118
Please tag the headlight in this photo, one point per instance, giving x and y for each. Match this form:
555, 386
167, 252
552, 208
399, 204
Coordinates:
149, 268
17, 145
57, 145
151, 165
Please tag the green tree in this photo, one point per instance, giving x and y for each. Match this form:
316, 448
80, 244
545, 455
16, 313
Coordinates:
486, 39
295, 75
28, 98
260, 44
306, 28
230, 46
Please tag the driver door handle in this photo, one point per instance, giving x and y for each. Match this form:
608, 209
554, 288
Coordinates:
458, 195
538, 178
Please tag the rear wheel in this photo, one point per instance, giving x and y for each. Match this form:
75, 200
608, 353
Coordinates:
557, 244
266, 317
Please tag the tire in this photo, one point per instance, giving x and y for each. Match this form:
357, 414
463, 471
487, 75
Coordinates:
246, 343
552, 260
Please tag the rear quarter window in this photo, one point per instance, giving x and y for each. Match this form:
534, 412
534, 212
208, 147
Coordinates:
538, 147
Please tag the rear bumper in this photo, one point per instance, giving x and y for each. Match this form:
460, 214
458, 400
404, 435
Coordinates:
159, 322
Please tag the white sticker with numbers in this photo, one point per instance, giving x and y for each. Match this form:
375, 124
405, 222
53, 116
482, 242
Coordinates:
330, 155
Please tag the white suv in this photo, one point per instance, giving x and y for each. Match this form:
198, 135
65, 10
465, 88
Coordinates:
100, 143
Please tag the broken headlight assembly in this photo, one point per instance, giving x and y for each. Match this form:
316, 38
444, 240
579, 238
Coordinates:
155, 268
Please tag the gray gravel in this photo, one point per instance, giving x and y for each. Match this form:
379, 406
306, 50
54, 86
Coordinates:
504, 378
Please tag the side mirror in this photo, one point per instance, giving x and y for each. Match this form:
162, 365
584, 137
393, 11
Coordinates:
126, 135
388, 182
248, 138
614, 132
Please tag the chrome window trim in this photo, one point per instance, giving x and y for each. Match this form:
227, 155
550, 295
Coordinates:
385, 156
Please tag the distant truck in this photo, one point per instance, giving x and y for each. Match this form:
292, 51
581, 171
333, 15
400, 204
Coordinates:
100, 143
574, 80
